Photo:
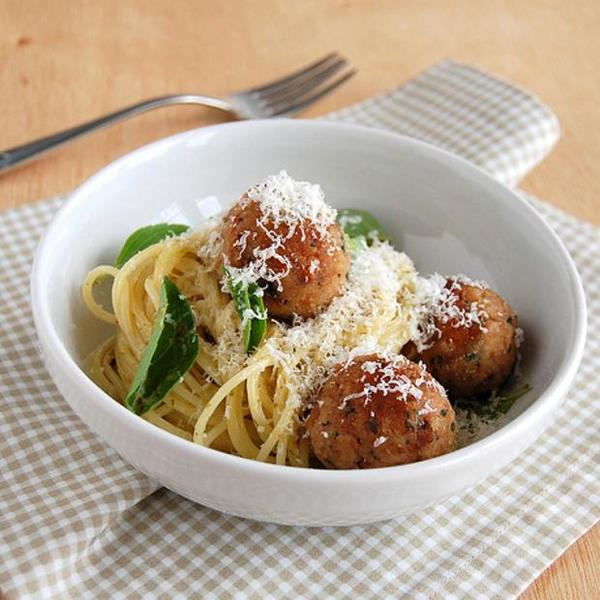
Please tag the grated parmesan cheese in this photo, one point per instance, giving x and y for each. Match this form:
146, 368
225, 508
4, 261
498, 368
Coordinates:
242, 242
392, 382
250, 314
286, 201
389, 382
436, 302
371, 315
314, 265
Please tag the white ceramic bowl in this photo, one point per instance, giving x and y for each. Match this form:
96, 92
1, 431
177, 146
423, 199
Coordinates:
446, 214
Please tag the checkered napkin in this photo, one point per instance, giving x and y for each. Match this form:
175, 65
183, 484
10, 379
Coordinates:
78, 522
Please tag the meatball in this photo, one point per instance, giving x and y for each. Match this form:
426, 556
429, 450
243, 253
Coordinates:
474, 341
301, 266
380, 411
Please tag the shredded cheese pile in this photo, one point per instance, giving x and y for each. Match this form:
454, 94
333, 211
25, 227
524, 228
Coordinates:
283, 200
370, 315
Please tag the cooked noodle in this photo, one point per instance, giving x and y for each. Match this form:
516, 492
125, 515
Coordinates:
245, 405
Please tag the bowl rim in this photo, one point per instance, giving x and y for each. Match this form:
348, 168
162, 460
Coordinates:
540, 407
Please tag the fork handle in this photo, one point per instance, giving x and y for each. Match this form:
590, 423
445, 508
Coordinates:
19, 154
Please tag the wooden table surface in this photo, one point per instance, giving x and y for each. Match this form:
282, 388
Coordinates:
62, 62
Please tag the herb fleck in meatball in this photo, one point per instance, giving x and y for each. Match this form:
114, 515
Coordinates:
380, 411
283, 236
471, 339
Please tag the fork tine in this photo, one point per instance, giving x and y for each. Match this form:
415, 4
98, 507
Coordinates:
283, 81
306, 101
300, 87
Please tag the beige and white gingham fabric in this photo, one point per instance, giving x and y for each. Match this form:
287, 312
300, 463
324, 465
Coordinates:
495, 125
78, 522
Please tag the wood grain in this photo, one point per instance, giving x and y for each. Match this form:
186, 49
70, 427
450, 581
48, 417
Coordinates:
63, 62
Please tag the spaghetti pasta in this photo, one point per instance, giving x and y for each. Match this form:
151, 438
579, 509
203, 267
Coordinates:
246, 405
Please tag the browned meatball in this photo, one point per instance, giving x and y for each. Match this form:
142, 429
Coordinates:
302, 268
473, 348
378, 412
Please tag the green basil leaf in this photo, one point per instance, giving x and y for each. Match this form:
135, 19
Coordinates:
492, 408
504, 402
259, 325
241, 298
245, 298
170, 353
358, 223
357, 244
147, 236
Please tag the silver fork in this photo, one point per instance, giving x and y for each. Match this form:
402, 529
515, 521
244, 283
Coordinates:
280, 98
